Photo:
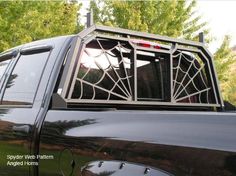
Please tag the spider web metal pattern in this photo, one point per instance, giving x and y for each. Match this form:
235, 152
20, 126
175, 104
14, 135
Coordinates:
104, 73
189, 80
108, 68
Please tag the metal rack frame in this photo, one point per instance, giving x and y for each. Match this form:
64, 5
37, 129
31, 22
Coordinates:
118, 34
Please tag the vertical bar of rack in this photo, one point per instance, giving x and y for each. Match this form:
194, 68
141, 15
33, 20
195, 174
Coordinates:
201, 37
173, 49
134, 73
76, 70
209, 72
89, 19
171, 75
68, 80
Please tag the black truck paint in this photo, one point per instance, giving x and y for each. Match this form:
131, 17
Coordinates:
112, 139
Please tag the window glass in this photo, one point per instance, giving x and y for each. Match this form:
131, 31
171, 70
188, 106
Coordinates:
190, 81
104, 72
23, 82
149, 76
3, 67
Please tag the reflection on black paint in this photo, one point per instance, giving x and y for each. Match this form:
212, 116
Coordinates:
172, 159
113, 168
3, 111
11, 80
14, 140
5, 127
66, 162
56, 130
230, 163
110, 146
53, 138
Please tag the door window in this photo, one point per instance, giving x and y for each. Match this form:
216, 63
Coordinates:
23, 81
3, 67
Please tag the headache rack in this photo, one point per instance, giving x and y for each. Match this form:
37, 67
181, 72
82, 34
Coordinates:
116, 67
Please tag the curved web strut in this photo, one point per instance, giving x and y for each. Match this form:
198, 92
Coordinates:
115, 71
188, 85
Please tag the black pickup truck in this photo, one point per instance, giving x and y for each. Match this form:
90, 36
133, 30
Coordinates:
113, 102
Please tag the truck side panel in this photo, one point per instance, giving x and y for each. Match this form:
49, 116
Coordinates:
138, 143
15, 138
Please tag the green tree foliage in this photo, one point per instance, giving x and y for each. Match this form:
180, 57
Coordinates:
171, 18
224, 58
25, 21
230, 94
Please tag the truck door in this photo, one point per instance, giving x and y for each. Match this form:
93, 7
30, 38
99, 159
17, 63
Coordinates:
20, 78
